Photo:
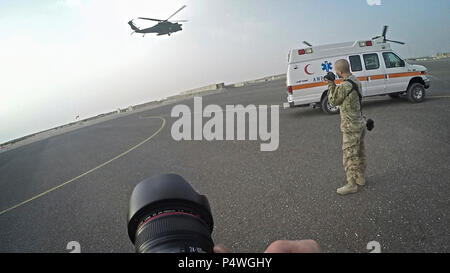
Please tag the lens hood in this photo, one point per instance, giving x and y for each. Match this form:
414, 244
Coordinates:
165, 192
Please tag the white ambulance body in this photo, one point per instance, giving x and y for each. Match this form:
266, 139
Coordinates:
380, 70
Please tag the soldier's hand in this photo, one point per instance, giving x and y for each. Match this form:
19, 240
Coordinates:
220, 248
289, 246
282, 246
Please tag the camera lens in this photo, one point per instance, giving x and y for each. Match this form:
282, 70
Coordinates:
167, 215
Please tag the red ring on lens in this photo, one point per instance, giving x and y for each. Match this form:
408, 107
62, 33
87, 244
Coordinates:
165, 214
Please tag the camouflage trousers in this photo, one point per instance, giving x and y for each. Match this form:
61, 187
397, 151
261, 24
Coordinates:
354, 157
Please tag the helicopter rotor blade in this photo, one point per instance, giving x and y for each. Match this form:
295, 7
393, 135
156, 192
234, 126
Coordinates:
179, 21
175, 12
385, 28
402, 43
151, 19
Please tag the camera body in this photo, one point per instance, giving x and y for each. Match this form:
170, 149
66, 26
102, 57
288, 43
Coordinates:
330, 76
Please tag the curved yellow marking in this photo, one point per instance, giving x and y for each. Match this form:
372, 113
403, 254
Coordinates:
91, 170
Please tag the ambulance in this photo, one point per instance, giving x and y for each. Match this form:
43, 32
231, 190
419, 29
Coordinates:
380, 70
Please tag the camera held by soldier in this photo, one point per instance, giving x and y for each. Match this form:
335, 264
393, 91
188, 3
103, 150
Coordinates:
330, 76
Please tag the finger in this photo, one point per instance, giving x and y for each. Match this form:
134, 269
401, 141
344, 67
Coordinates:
299, 246
221, 248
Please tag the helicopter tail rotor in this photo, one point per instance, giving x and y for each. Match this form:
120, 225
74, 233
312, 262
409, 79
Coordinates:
133, 27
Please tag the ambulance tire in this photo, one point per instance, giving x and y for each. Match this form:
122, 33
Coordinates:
416, 93
326, 107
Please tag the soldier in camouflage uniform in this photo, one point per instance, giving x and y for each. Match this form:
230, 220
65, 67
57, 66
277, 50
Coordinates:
352, 126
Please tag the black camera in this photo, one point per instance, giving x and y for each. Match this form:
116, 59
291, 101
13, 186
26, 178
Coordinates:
330, 76
167, 215
370, 124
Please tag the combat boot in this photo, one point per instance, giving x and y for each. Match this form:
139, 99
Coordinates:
348, 188
360, 181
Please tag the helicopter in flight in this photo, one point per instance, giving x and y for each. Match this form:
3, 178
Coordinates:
162, 28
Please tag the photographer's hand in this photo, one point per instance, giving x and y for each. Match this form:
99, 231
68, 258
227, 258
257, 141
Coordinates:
297, 246
221, 248
282, 246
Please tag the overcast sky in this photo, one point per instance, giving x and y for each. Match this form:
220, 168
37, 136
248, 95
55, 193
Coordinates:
63, 58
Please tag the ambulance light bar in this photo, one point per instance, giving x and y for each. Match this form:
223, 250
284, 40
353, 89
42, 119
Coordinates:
365, 43
305, 51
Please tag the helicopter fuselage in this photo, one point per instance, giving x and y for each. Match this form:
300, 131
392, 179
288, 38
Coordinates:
162, 28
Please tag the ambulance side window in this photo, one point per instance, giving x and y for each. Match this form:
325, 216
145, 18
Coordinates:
391, 60
371, 61
355, 63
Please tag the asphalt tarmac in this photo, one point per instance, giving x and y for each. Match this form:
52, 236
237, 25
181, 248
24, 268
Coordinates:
76, 186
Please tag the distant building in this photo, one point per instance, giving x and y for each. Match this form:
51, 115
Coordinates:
130, 108
443, 55
426, 58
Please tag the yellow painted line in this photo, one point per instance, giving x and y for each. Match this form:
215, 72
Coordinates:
91, 170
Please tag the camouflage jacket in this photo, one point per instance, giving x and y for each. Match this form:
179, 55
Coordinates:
351, 117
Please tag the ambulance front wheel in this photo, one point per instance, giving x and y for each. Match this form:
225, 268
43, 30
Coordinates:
327, 108
416, 93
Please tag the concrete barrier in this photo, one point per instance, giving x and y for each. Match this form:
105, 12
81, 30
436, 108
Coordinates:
265, 79
204, 88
